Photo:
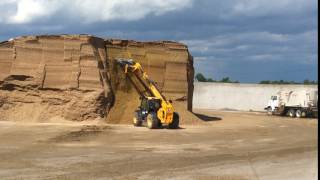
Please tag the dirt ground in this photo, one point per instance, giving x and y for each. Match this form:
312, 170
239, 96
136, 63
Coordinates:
225, 146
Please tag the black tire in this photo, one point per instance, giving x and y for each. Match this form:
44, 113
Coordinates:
315, 114
269, 111
311, 114
152, 120
175, 122
159, 124
292, 113
137, 119
299, 113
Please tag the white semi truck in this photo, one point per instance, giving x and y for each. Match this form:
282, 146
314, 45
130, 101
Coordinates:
299, 104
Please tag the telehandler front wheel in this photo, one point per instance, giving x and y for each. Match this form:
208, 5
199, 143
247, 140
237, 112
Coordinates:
152, 121
175, 122
136, 119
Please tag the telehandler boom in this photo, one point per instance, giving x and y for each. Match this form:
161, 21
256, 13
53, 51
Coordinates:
154, 109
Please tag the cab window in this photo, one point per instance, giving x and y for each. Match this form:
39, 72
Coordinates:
144, 103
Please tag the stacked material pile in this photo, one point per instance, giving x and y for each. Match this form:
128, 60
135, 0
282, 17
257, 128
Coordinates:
45, 77
75, 77
169, 64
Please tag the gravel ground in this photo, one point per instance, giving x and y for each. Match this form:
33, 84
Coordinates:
226, 145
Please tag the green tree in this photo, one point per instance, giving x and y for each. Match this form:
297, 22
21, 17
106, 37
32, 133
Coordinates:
307, 81
225, 80
228, 80
200, 77
287, 82
210, 80
265, 82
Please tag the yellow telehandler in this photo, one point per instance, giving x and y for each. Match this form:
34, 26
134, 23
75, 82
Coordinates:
154, 109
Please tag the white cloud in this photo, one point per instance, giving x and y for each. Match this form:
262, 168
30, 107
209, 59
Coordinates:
235, 41
103, 10
26, 11
263, 57
269, 7
257, 46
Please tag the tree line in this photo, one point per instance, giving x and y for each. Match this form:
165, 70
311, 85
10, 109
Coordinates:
306, 82
201, 78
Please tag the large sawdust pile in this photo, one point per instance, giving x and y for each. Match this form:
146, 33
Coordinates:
45, 77
75, 77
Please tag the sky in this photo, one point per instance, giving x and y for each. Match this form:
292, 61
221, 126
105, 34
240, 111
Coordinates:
246, 40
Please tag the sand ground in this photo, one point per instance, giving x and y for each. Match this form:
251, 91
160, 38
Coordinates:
227, 145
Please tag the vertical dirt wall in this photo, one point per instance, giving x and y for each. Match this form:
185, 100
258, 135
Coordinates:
45, 77
75, 77
169, 64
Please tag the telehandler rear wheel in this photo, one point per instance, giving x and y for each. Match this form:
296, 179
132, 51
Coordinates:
175, 122
152, 121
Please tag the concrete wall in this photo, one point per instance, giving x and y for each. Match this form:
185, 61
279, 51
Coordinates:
238, 96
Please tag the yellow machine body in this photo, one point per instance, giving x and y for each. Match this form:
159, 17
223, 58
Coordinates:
166, 110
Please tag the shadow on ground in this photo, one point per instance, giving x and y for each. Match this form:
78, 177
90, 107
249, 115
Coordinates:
207, 118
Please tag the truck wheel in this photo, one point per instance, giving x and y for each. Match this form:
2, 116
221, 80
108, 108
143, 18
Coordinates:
315, 114
269, 111
298, 113
292, 113
152, 120
136, 119
175, 122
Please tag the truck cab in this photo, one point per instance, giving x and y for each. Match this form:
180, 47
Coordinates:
273, 104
